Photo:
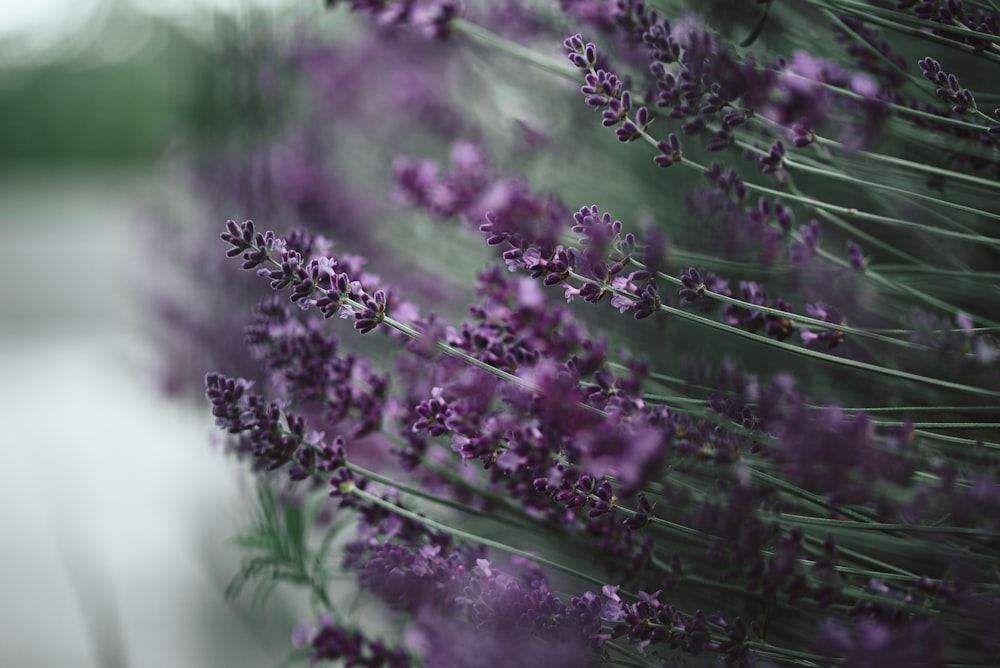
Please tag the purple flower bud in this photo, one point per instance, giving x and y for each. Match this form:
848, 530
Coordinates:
774, 161
670, 151
855, 256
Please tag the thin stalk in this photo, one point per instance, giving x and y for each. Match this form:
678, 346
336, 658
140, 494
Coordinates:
957, 440
915, 166
806, 352
936, 271
899, 108
837, 176
882, 526
350, 488
480, 34
439, 500
918, 409
793, 317
878, 54
869, 239
866, 216
872, 275
938, 425
913, 25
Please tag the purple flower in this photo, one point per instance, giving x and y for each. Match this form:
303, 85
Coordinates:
505, 210
805, 250
873, 54
825, 449
670, 151
826, 313
873, 644
800, 97
273, 437
774, 162
951, 12
948, 88
433, 17
332, 642
739, 316
802, 136
695, 285
855, 256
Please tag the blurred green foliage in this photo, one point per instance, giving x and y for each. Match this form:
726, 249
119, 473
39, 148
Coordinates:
80, 110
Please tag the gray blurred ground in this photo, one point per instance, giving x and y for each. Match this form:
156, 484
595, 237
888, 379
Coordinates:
113, 506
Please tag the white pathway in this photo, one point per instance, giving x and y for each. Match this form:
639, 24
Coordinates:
114, 509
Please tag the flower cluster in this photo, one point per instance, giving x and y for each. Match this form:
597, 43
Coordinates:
790, 460
330, 642
948, 88
431, 16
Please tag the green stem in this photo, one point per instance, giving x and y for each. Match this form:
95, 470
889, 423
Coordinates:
915, 166
957, 440
350, 488
882, 526
480, 34
805, 352
977, 276
898, 108
872, 275
877, 54
793, 317
816, 499
433, 498
869, 217
916, 409
938, 425
837, 176
912, 26
851, 229
626, 658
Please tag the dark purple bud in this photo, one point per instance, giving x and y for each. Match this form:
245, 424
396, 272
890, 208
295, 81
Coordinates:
783, 215
855, 256
802, 136
774, 161
670, 151
734, 119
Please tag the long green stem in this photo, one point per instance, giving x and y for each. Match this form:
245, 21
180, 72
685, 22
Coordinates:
805, 352
905, 23
911, 165
846, 178
350, 488
872, 275
917, 409
552, 65
876, 53
938, 425
883, 526
857, 214
792, 317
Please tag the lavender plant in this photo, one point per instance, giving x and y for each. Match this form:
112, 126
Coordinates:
725, 391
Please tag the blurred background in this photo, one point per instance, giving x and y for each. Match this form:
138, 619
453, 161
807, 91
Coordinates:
114, 507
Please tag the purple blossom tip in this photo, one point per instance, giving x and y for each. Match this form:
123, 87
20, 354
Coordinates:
774, 161
855, 256
582, 55
670, 151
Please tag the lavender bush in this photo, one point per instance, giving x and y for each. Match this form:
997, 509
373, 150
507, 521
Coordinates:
725, 389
